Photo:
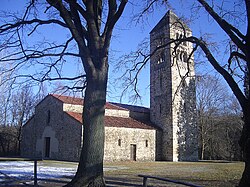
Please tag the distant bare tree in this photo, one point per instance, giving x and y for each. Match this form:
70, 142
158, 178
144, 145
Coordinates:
20, 107
23, 104
219, 120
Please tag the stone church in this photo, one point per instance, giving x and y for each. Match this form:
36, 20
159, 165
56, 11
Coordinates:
165, 131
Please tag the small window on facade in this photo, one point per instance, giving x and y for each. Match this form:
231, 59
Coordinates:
162, 58
185, 107
146, 143
119, 142
48, 117
160, 41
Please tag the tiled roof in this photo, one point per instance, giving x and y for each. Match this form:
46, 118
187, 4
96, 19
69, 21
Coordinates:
76, 116
111, 121
79, 101
133, 107
68, 99
114, 107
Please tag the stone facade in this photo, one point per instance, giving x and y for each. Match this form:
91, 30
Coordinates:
172, 90
50, 123
119, 143
55, 132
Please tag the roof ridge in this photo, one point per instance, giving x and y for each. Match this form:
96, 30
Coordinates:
128, 105
113, 104
135, 108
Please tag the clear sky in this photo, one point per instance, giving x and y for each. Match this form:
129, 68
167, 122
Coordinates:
128, 35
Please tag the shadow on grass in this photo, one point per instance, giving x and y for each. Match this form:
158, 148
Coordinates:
110, 182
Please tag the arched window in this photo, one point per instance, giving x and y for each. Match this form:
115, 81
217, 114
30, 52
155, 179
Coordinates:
160, 41
162, 58
185, 107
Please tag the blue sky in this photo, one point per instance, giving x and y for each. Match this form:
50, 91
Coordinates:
128, 35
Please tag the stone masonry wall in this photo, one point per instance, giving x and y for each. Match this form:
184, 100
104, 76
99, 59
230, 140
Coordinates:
183, 93
72, 108
64, 132
118, 143
117, 113
27, 143
161, 88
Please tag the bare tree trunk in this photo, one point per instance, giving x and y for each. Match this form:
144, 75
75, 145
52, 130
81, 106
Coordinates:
19, 136
202, 148
90, 169
2, 145
245, 145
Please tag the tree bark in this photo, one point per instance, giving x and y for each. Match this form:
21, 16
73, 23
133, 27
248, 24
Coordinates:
90, 169
245, 145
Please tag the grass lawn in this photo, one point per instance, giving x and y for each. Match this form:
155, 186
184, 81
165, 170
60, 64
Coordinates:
204, 173
210, 173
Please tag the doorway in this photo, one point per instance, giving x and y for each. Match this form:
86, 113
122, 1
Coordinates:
47, 147
133, 152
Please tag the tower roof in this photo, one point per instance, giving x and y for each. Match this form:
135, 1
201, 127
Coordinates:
169, 17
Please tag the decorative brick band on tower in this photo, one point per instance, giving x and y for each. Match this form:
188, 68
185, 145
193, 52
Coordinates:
172, 91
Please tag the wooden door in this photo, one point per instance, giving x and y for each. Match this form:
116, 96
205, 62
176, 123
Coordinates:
133, 152
47, 147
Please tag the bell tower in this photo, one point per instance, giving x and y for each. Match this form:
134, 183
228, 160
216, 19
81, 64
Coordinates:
172, 91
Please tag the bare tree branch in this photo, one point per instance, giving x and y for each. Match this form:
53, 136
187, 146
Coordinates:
8, 26
233, 85
236, 36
